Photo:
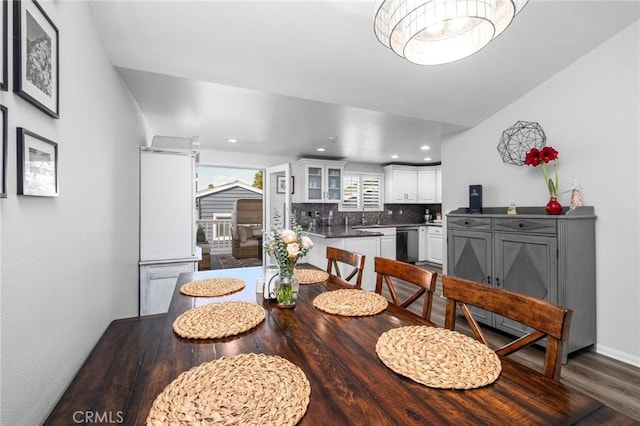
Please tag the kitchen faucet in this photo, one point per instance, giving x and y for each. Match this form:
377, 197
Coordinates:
364, 221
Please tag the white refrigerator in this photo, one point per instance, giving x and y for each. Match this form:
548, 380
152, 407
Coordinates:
167, 224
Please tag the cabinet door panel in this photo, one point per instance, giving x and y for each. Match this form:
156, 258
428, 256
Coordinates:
525, 264
314, 183
334, 184
470, 257
427, 186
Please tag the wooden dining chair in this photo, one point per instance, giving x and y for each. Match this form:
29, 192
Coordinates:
336, 256
545, 318
424, 279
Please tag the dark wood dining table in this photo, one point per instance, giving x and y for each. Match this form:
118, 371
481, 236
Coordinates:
134, 362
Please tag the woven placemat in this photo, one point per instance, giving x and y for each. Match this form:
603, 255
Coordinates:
311, 276
212, 287
246, 389
438, 357
218, 320
350, 302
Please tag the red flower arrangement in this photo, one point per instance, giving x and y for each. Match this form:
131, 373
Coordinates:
543, 156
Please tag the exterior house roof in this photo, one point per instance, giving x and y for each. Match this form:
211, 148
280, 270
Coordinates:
227, 186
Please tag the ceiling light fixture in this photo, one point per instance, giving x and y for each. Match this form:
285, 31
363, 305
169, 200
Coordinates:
427, 159
425, 147
395, 156
320, 149
432, 32
232, 140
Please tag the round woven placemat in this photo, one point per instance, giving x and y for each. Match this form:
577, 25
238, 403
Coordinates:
212, 287
218, 320
311, 276
438, 357
350, 302
246, 389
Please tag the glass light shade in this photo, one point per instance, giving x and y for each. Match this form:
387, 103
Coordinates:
430, 32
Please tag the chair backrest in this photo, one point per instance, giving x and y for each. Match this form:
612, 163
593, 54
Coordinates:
423, 278
335, 255
545, 318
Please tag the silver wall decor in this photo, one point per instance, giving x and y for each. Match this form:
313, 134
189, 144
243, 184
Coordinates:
518, 139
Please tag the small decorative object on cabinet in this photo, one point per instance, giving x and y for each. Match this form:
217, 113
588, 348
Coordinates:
553, 206
543, 156
286, 246
548, 257
576, 195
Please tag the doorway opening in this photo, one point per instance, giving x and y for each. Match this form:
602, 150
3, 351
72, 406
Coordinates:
229, 214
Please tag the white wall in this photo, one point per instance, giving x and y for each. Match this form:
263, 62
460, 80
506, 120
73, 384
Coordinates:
68, 264
590, 114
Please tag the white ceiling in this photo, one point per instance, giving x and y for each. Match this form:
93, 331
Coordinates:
283, 77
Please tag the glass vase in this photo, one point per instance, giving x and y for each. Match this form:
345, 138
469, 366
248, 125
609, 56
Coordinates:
553, 206
286, 286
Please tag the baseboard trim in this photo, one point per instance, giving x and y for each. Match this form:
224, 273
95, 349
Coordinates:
625, 357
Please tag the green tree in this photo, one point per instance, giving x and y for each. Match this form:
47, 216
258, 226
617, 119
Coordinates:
257, 180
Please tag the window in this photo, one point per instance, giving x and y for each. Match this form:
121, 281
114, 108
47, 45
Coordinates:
361, 192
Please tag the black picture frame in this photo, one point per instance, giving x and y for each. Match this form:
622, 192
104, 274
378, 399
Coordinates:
4, 85
37, 165
36, 68
3, 151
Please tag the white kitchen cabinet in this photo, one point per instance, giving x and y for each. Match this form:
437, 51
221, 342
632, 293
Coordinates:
401, 184
435, 245
157, 284
438, 184
321, 181
422, 244
412, 184
426, 186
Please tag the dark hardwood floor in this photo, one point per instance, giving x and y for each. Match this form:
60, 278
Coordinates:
614, 383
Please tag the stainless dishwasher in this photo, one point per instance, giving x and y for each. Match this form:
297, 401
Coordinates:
407, 244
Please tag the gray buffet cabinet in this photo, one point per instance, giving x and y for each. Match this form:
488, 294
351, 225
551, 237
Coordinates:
545, 256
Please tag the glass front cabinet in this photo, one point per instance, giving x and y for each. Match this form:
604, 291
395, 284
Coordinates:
322, 181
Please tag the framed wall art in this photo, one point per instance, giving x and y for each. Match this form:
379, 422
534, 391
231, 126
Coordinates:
3, 152
4, 71
280, 184
36, 57
37, 165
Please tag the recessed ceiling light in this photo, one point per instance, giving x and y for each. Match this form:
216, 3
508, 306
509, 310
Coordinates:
425, 147
427, 159
232, 140
395, 156
320, 149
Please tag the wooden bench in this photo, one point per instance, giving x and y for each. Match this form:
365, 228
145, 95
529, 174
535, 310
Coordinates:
109, 386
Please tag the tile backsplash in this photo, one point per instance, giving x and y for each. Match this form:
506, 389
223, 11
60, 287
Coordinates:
392, 214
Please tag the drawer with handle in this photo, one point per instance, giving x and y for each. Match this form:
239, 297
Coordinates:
525, 225
469, 222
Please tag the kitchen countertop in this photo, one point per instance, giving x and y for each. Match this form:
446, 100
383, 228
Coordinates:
340, 231
358, 231
397, 225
